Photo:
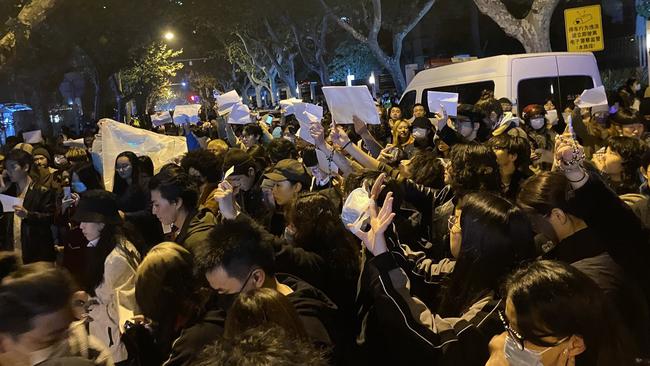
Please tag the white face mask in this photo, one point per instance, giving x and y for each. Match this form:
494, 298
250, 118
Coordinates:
419, 133
537, 123
636, 87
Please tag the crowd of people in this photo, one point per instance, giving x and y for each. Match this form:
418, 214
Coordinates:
482, 238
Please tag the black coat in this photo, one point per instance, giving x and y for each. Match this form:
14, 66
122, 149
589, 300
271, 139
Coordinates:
36, 234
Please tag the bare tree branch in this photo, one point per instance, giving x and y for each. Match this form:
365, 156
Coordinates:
343, 24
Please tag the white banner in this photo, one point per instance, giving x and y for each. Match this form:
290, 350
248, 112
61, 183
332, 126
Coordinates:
118, 137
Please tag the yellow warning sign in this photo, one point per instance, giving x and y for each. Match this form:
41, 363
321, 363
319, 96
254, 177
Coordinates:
584, 29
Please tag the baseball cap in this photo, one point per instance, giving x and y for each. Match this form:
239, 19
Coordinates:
291, 170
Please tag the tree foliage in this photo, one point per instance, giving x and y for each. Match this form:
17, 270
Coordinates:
148, 79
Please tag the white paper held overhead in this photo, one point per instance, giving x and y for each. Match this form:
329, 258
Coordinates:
160, 118
345, 102
188, 113
225, 102
448, 100
593, 97
240, 115
33, 137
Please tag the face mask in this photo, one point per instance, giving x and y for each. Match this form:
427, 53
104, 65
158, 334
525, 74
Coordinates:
79, 187
225, 301
637, 87
355, 209
537, 123
518, 357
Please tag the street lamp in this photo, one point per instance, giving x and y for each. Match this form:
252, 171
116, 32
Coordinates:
169, 36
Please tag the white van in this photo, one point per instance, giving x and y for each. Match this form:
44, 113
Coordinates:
524, 79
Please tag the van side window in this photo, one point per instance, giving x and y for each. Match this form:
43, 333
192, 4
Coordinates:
406, 104
467, 93
561, 91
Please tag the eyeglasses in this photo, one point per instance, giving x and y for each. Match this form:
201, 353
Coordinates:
453, 223
518, 338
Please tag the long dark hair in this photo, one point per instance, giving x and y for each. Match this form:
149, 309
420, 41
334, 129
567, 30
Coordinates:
319, 229
166, 290
496, 238
120, 185
260, 307
552, 298
88, 175
96, 256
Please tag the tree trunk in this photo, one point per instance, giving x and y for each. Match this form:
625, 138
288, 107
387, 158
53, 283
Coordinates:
389, 63
21, 27
532, 31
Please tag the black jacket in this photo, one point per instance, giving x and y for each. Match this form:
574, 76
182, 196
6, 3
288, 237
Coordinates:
194, 338
317, 312
586, 251
398, 329
36, 234
196, 229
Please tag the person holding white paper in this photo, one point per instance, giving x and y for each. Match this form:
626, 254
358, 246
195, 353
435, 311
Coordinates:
28, 227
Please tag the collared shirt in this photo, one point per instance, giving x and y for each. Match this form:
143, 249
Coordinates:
93, 243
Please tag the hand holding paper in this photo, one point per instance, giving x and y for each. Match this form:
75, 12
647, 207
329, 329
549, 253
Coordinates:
9, 202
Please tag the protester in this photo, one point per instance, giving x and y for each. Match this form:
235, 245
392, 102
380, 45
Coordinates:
263, 307
27, 228
37, 324
540, 137
171, 298
111, 262
238, 257
174, 198
620, 162
134, 200
289, 178
246, 180
493, 237
512, 152
205, 168
555, 315
627, 122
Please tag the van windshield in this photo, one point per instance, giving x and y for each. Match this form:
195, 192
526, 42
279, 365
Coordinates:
562, 91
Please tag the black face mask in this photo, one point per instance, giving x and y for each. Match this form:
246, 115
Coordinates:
225, 301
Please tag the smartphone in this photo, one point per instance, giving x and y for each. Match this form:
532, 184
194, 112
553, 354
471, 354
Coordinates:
269, 119
67, 193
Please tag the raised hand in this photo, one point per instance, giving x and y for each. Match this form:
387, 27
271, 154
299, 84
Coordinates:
225, 198
338, 136
317, 132
360, 126
569, 154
